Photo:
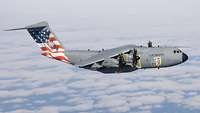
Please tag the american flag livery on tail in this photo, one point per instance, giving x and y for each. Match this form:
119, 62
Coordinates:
47, 41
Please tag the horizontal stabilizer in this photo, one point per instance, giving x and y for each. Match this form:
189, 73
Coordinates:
15, 29
38, 25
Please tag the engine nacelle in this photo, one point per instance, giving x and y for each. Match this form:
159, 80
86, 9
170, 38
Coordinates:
128, 58
111, 62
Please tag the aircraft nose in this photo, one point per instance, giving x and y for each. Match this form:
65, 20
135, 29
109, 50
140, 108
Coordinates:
184, 57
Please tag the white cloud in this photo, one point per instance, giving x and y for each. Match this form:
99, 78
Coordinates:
30, 83
110, 101
176, 97
192, 102
120, 109
142, 112
139, 101
21, 111
16, 101
48, 109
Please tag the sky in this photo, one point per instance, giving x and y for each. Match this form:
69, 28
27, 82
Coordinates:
32, 83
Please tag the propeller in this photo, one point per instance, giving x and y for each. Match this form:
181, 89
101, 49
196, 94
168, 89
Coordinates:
121, 64
135, 58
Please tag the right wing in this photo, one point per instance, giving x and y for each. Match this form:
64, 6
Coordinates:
110, 53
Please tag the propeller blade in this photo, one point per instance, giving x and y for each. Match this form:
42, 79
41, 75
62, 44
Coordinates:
121, 63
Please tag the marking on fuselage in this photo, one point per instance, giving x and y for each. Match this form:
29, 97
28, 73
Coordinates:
158, 61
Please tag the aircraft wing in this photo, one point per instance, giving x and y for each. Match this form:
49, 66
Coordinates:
110, 53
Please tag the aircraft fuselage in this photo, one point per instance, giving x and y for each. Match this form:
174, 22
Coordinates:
149, 57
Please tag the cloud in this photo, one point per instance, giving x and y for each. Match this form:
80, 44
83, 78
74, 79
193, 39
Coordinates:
192, 102
17, 101
21, 111
110, 101
112, 93
47, 109
31, 83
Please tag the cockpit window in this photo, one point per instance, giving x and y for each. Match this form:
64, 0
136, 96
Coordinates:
177, 51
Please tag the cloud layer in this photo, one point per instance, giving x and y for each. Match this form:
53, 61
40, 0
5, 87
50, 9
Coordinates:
31, 83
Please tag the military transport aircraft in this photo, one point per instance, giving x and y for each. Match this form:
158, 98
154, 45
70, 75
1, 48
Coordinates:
126, 58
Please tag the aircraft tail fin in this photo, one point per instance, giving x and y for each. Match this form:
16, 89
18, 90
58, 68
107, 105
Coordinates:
46, 40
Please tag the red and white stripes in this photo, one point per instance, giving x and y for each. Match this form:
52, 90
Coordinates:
53, 49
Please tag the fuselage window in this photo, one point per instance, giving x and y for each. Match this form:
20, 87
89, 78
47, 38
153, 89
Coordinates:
174, 51
177, 51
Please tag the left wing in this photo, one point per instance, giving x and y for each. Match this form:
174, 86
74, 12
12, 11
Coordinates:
110, 53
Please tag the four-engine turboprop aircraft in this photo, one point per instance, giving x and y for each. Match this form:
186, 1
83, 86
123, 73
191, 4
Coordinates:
126, 58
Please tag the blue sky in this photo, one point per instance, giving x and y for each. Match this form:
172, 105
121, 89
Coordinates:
31, 83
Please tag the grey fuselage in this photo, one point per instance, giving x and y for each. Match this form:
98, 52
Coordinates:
149, 57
